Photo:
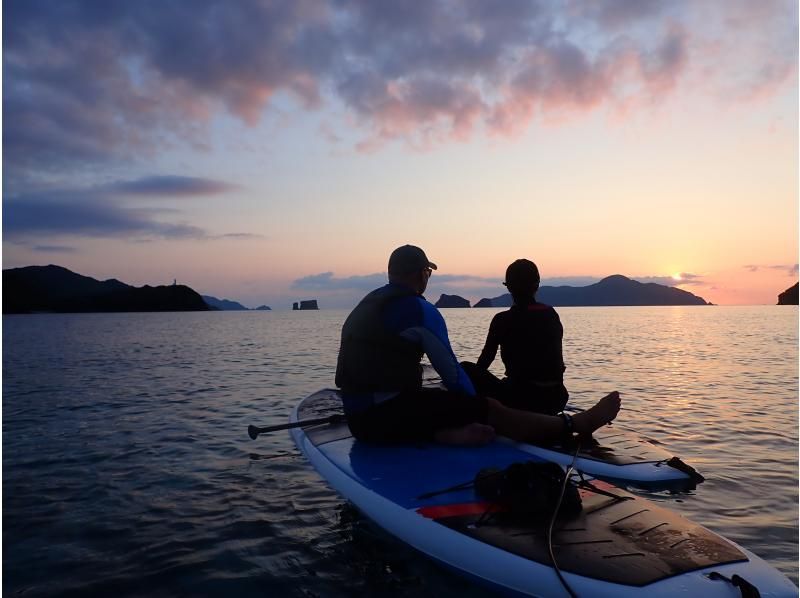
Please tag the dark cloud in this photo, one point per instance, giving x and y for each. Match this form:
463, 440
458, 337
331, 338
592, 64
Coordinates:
347, 291
54, 249
478, 286
569, 281
326, 281
103, 212
85, 82
89, 216
171, 186
689, 278
617, 13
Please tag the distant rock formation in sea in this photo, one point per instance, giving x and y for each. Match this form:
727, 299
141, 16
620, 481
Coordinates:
263, 308
451, 301
223, 304
613, 290
56, 289
310, 304
484, 303
789, 296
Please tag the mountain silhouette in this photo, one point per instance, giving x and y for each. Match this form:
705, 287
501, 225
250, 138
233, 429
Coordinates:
789, 296
223, 304
613, 290
451, 301
56, 289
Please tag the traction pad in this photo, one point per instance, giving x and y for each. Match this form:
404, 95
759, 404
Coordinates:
628, 541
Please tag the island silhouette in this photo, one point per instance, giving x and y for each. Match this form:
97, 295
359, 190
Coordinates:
55, 289
309, 304
451, 301
224, 304
789, 296
615, 290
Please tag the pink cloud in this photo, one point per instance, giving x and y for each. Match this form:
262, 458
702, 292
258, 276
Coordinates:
426, 73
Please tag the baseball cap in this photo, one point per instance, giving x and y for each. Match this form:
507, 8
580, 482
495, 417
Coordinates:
407, 259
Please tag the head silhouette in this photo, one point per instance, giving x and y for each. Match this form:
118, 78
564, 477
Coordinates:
408, 265
522, 280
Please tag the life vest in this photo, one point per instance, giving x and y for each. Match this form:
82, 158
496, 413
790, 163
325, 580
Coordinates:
372, 359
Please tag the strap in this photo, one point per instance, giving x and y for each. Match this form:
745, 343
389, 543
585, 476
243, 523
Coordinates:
676, 463
747, 589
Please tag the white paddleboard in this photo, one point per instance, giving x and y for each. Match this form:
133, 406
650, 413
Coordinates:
620, 545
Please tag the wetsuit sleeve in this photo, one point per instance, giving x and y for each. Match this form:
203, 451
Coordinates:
559, 334
430, 331
490, 347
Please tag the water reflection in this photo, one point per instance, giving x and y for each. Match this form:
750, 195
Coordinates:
127, 468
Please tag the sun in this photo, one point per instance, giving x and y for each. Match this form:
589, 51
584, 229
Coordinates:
677, 276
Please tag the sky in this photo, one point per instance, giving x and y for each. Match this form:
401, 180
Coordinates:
268, 152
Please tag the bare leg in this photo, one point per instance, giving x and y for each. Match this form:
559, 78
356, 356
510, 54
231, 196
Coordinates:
537, 428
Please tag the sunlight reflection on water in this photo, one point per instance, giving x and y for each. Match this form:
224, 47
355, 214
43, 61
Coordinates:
127, 468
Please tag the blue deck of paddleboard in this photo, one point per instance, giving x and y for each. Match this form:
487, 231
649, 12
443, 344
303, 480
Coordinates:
418, 469
613, 453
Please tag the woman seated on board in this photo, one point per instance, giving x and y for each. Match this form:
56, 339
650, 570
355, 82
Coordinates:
529, 338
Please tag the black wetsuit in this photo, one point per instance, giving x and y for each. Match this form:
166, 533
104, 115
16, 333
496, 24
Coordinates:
529, 337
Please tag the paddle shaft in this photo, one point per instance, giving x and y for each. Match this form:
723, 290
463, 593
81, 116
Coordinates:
254, 431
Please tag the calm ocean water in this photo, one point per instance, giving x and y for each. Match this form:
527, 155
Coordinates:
127, 469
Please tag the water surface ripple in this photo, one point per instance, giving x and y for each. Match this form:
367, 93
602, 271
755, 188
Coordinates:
127, 469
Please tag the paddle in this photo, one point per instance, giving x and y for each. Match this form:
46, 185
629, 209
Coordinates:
254, 431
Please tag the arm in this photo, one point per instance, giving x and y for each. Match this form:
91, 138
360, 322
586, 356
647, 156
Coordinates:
431, 334
555, 346
490, 347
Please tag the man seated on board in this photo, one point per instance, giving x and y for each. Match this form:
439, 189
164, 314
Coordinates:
380, 374
529, 337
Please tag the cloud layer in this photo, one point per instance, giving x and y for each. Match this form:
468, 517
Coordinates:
789, 269
461, 284
85, 82
105, 211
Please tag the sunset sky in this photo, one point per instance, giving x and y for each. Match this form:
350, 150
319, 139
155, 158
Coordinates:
268, 152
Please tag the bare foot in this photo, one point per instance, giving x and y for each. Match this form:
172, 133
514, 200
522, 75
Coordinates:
603, 412
470, 435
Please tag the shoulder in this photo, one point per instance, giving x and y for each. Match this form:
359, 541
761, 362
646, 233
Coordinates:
542, 308
539, 307
501, 317
429, 310
405, 311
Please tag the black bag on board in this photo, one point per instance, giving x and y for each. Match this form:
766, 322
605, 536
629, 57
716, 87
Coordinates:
529, 491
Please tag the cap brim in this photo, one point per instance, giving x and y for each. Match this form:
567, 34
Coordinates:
432, 266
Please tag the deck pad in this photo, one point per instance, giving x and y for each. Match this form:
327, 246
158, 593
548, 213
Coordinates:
627, 540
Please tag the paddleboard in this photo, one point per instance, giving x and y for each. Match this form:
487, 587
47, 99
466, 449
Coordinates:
620, 455
620, 544
614, 453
